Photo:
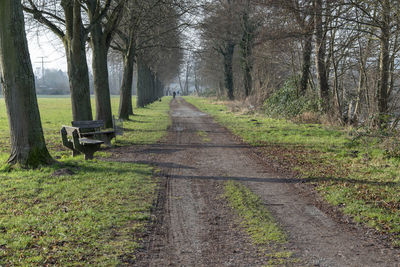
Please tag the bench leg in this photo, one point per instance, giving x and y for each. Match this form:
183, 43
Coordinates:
107, 140
75, 153
89, 155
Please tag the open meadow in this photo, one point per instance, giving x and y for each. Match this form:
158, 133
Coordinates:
77, 212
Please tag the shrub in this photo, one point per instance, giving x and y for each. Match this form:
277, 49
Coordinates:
208, 92
288, 103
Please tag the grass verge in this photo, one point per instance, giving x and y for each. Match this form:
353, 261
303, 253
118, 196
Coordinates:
86, 216
356, 174
265, 233
78, 212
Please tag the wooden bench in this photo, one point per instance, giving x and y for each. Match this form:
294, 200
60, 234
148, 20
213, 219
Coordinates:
95, 130
73, 139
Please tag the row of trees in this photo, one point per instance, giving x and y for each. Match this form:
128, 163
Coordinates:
126, 26
138, 31
345, 50
150, 37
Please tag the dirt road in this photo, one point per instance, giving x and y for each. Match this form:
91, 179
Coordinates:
195, 227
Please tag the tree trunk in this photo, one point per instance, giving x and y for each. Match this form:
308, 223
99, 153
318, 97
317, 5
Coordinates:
75, 50
360, 86
153, 91
145, 84
384, 78
100, 76
384, 66
28, 146
160, 89
101, 36
220, 91
196, 83
393, 66
180, 83
305, 72
78, 76
141, 83
246, 45
228, 70
320, 52
248, 81
125, 102
187, 78
363, 77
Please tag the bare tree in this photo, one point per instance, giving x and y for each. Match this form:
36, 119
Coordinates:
64, 19
248, 28
148, 35
356, 51
101, 34
219, 31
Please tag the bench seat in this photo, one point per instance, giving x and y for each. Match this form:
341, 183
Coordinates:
87, 141
71, 138
94, 129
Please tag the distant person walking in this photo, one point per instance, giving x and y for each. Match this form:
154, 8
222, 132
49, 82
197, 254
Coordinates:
174, 94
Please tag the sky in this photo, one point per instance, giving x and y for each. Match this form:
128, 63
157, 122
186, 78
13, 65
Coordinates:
47, 45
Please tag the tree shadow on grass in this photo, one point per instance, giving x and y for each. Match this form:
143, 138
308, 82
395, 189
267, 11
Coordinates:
284, 180
136, 121
169, 165
143, 130
98, 169
159, 150
180, 147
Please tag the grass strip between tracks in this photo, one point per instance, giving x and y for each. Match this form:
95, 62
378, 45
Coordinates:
264, 231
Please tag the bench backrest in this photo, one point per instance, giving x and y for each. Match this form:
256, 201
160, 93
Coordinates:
69, 130
72, 132
88, 124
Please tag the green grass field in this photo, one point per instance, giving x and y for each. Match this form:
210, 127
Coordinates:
147, 126
356, 174
91, 212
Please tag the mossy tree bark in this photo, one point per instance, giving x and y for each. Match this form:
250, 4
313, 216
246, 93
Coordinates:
246, 46
28, 146
149, 88
151, 80
100, 77
305, 70
142, 83
384, 64
320, 53
228, 68
127, 48
74, 41
160, 89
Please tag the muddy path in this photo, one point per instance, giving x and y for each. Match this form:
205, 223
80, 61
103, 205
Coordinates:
196, 227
